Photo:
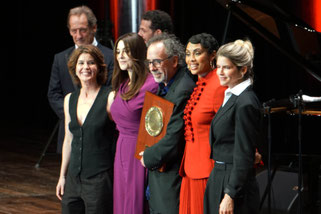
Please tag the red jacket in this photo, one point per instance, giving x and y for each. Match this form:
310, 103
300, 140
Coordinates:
204, 102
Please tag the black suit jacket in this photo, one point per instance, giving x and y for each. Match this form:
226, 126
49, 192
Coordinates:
236, 132
60, 84
165, 186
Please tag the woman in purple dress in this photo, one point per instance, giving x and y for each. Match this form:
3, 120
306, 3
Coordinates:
130, 82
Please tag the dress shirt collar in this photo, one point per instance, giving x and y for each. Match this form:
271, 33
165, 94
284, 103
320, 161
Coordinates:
164, 88
239, 88
95, 43
236, 90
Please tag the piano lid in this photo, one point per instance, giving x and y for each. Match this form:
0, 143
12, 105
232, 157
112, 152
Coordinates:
281, 24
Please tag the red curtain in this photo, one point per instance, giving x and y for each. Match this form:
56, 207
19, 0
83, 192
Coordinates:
151, 4
113, 17
114, 4
309, 11
317, 15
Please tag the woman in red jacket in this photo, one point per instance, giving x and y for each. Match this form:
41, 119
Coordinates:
204, 102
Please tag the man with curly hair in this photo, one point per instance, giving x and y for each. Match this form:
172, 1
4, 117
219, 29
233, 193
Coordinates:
155, 22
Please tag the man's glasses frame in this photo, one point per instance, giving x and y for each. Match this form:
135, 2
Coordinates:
156, 62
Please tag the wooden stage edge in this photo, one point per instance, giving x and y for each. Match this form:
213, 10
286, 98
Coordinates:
23, 188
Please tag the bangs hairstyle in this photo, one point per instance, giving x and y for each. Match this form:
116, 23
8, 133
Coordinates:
136, 50
98, 58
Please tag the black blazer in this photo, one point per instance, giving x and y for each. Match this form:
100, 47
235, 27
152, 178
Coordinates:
60, 84
236, 132
165, 186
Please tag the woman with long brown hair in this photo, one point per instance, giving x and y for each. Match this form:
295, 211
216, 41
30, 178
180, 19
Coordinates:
130, 82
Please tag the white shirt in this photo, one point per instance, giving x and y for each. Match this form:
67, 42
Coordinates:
95, 43
236, 90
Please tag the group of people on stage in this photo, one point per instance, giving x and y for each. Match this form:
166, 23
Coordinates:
210, 147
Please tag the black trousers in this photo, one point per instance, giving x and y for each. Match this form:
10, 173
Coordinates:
247, 203
89, 196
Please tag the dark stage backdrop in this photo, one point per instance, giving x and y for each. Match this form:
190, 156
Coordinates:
36, 31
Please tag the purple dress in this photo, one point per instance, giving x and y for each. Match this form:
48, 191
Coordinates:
129, 174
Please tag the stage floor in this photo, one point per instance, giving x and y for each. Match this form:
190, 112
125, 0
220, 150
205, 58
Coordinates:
23, 188
27, 189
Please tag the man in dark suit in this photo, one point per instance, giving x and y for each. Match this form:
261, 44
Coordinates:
82, 25
165, 56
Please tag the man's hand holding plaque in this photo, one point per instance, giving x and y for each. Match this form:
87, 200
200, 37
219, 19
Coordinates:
155, 116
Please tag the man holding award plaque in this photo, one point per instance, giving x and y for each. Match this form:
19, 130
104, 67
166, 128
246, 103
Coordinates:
165, 59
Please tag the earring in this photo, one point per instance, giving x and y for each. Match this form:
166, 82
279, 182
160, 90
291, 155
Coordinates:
212, 64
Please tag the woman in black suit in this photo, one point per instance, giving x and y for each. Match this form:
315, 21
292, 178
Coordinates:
234, 135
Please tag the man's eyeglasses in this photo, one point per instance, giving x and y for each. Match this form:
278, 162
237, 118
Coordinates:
156, 62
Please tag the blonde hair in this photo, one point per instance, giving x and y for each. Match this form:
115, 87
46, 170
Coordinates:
241, 54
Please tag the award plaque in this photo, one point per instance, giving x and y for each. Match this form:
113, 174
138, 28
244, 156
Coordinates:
153, 122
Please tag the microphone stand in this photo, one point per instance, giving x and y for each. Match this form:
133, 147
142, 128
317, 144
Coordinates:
298, 102
267, 112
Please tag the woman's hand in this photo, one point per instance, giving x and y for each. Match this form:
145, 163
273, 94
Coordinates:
60, 188
227, 205
142, 159
258, 157
110, 100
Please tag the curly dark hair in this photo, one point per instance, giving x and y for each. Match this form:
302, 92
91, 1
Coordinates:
99, 60
159, 20
206, 40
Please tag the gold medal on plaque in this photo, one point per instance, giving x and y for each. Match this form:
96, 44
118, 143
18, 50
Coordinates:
155, 116
154, 121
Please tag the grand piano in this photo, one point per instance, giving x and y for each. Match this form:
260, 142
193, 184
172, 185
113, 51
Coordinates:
293, 124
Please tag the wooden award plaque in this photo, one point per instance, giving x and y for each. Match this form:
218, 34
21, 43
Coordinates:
153, 123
